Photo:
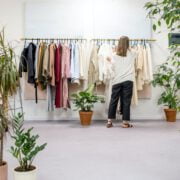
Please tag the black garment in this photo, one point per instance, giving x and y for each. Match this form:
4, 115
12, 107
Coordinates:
23, 62
31, 61
27, 64
124, 92
27, 61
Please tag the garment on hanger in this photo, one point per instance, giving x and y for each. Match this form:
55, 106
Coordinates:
40, 61
75, 63
30, 59
87, 49
149, 59
105, 67
93, 72
105, 70
51, 72
139, 68
23, 61
45, 67
146, 91
36, 62
65, 75
58, 78
52, 49
82, 60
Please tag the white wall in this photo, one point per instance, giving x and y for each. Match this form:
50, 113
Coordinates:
12, 15
88, 19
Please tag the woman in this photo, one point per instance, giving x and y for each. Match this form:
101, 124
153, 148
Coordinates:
122, 83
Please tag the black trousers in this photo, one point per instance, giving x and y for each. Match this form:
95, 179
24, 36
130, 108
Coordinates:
122, 91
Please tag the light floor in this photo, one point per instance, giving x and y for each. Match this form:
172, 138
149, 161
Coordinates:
149, 151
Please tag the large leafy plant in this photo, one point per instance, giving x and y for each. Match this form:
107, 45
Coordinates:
25, 147
166, 11
85, 100
167, 76
9, 82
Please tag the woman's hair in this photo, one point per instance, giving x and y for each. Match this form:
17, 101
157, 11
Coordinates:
123, 46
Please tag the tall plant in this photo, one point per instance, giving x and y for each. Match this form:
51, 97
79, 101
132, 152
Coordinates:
167, 75
9, 82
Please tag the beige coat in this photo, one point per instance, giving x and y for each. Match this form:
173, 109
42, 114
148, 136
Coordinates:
93, 72
52, 49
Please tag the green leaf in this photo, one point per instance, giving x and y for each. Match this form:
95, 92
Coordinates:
154, 27
159, 23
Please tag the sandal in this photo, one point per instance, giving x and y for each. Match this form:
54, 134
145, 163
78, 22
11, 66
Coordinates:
127, 125
109, 125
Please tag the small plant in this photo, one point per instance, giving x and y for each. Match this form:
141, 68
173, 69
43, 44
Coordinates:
85, 100
167, 76
25, 147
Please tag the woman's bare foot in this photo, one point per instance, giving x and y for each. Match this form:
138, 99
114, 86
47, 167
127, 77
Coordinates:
109, 124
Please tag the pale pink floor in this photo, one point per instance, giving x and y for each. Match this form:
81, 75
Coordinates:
149, 151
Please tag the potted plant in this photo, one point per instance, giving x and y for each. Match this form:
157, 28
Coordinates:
84, 102
25, 149
167, 74
3, 125
9, 82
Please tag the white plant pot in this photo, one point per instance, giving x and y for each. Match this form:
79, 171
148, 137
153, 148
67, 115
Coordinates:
29, 175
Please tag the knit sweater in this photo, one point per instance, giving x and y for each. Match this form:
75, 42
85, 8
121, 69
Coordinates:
123, 68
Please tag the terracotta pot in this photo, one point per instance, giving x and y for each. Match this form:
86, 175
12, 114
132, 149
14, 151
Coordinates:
85, 117
170, 115
28, 175
4, 171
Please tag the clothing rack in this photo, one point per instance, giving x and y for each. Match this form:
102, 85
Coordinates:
78, 39
118, 40
52, 39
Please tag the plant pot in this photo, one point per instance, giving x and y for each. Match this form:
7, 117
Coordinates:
170, 115
85, 117
28, 175
4, 171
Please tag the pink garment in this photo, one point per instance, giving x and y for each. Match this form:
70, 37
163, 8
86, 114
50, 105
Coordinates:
65, 70
65, 62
